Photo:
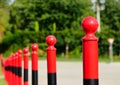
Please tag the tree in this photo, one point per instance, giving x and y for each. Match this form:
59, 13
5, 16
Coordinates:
29, 18
111, 21
4, 17
47, 13
111, 15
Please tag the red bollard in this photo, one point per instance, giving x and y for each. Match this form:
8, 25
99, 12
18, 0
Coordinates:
26, 57
19, 67
51, 60
10, 65
16, 68
10, 72
34, 64
13, 69
6, 71
90, 51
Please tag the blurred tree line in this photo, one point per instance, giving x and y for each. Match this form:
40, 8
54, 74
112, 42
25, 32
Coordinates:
30, 21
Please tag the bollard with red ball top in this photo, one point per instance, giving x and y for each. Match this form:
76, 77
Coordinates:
10, 76
19, 67
6, 71
90, 51
16, 68
13, 69
26, 57
10, 70
51, 60
34, 64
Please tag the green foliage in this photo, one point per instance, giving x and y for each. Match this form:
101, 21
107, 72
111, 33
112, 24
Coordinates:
36, 26
29, 22
20, 39
54, 11
111, 22
111, 15
32, 20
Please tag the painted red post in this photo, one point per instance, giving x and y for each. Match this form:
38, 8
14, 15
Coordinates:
90, 51
6, 71
34, 64
10, 73
16, 68
26, 57
51, 60
19, 67
13, 69
11, 81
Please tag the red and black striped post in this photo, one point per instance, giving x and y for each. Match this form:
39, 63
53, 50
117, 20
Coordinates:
6, 71
51, 60
19, 67
16, 68
26, 57
13, 69
90, 51
11, 81
34, 64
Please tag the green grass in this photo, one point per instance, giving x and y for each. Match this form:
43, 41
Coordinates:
107, 59
71, 59
78, 58
2, 81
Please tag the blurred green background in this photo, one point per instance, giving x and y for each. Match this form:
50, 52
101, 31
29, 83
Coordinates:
24, 22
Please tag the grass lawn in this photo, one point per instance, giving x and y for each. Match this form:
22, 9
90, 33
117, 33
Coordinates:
77, 59
2, 81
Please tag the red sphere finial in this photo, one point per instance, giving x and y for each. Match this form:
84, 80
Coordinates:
34, 47
16, 54
51, 40
26, 50
89, 25
19, 51
13, 55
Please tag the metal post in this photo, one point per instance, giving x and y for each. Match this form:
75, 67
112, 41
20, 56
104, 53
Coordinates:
111, 53
110, 41
90, 51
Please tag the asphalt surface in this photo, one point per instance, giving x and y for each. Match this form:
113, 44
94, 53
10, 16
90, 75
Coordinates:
70, 73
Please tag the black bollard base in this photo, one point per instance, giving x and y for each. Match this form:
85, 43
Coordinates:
34, 77
90, 82
52, 79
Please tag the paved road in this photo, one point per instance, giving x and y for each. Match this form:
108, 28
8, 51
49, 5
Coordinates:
70, 73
